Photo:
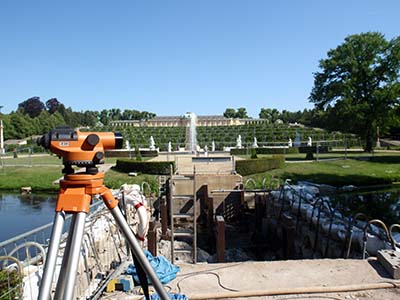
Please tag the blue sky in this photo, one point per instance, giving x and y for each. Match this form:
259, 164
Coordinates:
170, 57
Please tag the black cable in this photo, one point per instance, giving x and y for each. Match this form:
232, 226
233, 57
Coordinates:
201, 273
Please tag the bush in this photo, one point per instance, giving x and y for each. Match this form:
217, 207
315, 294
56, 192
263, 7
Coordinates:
147, 167
253, 166
130, 153
313, 149
309, 156
253, 153
10, 285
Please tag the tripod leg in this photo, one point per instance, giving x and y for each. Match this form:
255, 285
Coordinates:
61, 278
131, 239
45, 285
74, 253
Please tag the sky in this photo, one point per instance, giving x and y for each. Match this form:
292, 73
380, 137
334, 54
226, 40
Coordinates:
176, 56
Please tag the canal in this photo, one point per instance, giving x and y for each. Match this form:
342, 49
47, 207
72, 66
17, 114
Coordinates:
21, 213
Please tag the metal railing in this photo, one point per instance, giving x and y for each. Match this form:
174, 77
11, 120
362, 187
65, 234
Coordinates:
22, 257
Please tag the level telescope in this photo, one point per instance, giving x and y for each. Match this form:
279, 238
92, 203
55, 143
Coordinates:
79, 148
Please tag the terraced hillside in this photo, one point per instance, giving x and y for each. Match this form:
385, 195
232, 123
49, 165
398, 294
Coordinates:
226, 136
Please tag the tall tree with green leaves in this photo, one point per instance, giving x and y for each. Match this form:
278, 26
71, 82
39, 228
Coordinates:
359, 81
230, 113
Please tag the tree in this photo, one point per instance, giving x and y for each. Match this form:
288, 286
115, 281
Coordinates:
360, 80
241, 113
230, 113
32, 107
104, 117
269, 114
52, 105
22, 125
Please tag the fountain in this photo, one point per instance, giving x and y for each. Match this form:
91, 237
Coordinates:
191, 139
152, 144
239, 142
297, 140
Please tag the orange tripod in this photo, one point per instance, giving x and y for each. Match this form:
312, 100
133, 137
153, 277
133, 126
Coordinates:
75, 196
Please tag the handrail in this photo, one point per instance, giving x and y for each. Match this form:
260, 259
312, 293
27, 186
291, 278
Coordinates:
396, 243
250, 180
350, 229
364, 249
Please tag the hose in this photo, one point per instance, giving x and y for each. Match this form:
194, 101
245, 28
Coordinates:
301, 290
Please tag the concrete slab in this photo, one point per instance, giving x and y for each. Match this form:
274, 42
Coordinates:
230, 280
320, 279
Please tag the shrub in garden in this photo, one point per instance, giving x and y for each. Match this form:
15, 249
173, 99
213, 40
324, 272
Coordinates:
253, 166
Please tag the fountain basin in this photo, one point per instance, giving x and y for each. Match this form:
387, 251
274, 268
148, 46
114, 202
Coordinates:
211, 159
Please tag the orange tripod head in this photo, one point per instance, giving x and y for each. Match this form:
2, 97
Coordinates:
82, 149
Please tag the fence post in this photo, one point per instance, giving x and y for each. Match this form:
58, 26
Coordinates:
289, 235
220, 238
152, 237
164, 218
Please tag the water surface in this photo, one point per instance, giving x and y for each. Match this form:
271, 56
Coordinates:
21, 213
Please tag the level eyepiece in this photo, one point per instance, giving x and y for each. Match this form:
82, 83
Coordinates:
118, 140
44, 141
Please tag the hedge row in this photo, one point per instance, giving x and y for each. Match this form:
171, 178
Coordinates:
313, 149
147, 167
130, 153
253, 166
245, 151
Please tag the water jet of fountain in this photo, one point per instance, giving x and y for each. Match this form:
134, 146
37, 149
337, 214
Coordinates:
191, 134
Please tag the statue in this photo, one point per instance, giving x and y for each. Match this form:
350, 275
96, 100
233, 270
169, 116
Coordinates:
152, 144
290, 143
255, 145
127, 146
169, 146
212, 146
309, 143
239, 142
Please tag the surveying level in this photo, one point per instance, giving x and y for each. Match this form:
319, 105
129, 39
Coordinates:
82, 149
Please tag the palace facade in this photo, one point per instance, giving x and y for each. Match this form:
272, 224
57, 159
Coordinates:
183, 121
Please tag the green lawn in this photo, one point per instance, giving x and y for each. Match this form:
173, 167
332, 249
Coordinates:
359, 171
39, 178
115, 179
39, 172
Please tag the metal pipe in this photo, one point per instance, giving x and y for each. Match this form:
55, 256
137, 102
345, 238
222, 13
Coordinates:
61, 279
72, 266
48, 272
295, 291
364, 249
395, 243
